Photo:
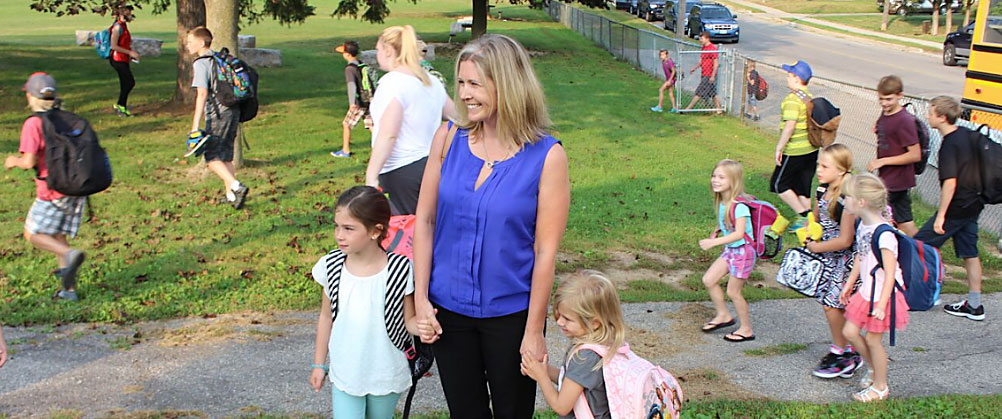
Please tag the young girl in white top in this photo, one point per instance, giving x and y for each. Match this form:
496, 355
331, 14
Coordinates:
738, 258
367, 296
407, 109
866, 198
587, 310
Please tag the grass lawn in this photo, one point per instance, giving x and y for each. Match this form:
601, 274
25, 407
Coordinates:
160, 247
821, 6
910, 26
875, 38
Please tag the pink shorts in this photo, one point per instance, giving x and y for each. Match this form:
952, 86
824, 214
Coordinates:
740, 260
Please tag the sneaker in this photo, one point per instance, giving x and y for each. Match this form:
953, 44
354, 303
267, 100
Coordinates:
122, 110
66, 295
656, 109
195, 142
962, 309
241, 194
674, 110
829, 366
340, 154
857, 363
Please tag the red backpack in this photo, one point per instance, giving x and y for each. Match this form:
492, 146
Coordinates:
761, 88
763, 215
400, 235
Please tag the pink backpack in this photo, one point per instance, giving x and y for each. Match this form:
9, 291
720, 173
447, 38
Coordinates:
400, 235
636, 388
763, 215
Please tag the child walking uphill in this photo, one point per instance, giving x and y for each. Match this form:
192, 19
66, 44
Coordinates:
669, 85
587, 310
868, 309
835, 249
368, 302
738, 258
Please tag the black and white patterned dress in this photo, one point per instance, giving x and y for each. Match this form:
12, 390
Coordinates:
839, 263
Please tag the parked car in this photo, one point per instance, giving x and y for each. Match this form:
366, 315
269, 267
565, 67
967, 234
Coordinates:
957, 45
619, 4
716, 19
651, 10
671, 13
907, 7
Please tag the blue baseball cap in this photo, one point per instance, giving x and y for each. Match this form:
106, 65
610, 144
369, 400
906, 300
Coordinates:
801, 69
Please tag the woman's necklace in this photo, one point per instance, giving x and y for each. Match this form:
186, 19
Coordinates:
491, 163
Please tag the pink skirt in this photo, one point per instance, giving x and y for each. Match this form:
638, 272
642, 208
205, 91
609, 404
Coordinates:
858, 313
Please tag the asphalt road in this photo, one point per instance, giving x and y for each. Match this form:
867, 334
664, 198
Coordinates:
840, 57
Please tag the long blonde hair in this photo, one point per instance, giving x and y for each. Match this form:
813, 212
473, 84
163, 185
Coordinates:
592, 298
735, 175
868, 188
403, 40
520, 105
842, 158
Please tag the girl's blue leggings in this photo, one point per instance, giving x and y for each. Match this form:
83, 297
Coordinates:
347, 406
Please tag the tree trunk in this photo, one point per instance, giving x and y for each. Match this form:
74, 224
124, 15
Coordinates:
967, 11
680, 21
935, 19
949, 16
479, 18
190, 15
886, 16
221, 18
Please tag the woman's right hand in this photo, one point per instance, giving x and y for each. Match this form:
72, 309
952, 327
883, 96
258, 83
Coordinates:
317, 379
427, 323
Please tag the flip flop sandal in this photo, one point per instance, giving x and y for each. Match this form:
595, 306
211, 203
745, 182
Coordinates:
739, 338
715, 326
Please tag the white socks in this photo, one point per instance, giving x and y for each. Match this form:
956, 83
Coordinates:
233, 188
235, 185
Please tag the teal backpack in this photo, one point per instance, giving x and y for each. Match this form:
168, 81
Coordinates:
102, 43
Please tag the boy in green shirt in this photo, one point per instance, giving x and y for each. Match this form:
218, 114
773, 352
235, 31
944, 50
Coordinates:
796, 158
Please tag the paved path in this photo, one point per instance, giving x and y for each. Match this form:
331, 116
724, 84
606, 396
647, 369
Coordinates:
234, 364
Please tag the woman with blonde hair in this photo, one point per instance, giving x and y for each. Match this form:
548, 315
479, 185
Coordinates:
407, 108
493, 209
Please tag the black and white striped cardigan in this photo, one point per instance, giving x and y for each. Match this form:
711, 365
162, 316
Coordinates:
393, 304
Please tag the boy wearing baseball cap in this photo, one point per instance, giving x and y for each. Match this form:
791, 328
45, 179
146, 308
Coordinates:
796, 158
358, 108
53, 216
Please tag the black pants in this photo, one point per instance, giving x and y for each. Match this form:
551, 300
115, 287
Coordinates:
475, 355
125, 80
404, 184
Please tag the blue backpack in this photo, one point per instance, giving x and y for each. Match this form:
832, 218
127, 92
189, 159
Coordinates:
102, 43
921, 270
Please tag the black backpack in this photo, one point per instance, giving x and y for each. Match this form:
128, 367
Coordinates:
78, 166
234, 83
923, 139
989, 157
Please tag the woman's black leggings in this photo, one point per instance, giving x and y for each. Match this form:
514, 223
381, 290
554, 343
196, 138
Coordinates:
125, 81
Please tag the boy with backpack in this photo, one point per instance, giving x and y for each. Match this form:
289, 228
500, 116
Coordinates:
796, 157
221, 122
53, 216
360, 91
959, 204
898, 150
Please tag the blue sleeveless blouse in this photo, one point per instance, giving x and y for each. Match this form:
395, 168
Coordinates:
483, 251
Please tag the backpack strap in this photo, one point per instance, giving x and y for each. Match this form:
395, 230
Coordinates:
453, 130
875, 249
734, 219
335, 263
399, 269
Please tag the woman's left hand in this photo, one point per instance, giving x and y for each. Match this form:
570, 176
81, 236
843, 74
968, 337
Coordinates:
533, 345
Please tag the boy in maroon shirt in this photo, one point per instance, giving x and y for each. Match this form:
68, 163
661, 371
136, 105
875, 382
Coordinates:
898, 150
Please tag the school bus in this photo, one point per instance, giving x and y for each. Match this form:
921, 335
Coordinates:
983, 85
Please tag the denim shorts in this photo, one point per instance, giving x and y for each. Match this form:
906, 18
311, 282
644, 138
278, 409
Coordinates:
964, 232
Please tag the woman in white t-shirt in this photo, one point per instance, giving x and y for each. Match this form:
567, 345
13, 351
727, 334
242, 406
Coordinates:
407, 109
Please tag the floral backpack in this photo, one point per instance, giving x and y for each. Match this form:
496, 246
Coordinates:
636, 388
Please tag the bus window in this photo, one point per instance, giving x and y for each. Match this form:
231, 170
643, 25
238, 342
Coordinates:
993, 25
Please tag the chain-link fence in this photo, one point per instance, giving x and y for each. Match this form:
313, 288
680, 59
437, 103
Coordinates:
858, 104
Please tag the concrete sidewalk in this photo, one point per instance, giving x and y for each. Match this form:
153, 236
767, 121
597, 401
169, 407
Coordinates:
248, 363
779, 14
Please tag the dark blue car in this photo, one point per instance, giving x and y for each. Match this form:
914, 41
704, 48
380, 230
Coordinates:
716, 19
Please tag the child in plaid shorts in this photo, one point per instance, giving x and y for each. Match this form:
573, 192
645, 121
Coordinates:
358, 107
53, 216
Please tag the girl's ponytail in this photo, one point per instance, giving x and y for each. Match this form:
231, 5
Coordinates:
403, 39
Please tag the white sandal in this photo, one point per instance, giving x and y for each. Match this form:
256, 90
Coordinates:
865, 395
867, 379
